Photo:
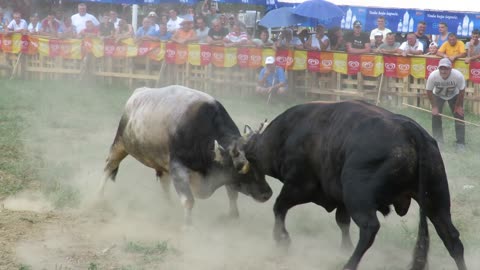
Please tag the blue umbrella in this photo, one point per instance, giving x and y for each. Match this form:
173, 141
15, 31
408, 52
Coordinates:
321, 10
281, 17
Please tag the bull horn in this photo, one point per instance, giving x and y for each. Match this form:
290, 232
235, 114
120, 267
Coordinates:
250, 130
263, 125
218, 150
245, 169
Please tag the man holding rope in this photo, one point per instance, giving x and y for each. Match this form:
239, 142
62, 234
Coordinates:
272, 79
447, 85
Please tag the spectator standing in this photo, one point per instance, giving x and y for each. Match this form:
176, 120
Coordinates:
411, 47
337, 42
50, 26
237, 37
447, 85
154, 18
432, 49
271, 79
3, 21
123, 31
106, 28
421, 37
202, 30
186, 34
79, 20
378, 40
452, 49
216, 33
380, 29
174, 22
473, 47
113, 18
357, 41
319, 41
17, 25
209, 12
263, 40
288, 41
443, 34
90, 30
390, 46
34, 26
146, 31
163, 34
67, 29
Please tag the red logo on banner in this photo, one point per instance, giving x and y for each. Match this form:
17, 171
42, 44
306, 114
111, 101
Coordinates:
390, 66
431, 66
55, 46
108, 47
353, 64
205, 55
284, 58
313, 61
242, 57
475, 71
170, 53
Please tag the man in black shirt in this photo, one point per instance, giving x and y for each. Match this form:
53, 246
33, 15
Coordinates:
421, 37
216, 33
357, 41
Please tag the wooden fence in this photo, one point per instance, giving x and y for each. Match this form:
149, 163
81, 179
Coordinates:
139, 71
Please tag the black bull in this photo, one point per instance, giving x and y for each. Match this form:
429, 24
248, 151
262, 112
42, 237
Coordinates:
358, 159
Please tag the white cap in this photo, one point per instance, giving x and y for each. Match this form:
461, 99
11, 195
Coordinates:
152, 14
445, 62
269, 60
377, 33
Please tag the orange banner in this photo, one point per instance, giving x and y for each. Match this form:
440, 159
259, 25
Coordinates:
11, 43
326, 62
367, 67
218, 56
403, 66
255, 58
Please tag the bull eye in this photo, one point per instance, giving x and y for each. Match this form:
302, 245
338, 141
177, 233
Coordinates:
235, 153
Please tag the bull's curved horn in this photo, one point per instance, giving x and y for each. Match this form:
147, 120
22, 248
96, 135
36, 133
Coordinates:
250, 130
245, 169
263, 125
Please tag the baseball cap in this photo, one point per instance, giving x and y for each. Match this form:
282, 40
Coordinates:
445, 62
377, 34
152, 14
269, 60
433, 44
357, 23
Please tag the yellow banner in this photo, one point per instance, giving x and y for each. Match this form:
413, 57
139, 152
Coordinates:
418, 67
230, 57
266, 53
299, 60
340, 62
158, 54
44, 46
194, 54
463, 67
97, 47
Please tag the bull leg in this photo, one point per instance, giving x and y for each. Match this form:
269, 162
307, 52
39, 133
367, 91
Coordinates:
368, 223
232, 199
116, 155
165, 181
449, 235
289, 196
343, 221
181, 182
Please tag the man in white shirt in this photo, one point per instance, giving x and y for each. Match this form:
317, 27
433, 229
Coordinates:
411, 47
17, 25
447, 85
174, 22
202, 30
79, 19
380, 29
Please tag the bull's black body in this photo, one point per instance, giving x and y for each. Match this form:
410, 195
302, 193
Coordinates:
358, 159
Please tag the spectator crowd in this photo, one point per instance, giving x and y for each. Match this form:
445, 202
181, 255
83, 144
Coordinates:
209, 26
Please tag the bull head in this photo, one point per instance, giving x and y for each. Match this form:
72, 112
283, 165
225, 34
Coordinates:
248, 131
235, 153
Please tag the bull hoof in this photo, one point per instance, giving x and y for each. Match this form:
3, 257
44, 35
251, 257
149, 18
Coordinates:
283, 240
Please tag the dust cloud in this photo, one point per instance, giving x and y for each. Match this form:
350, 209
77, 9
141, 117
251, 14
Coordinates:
72, 133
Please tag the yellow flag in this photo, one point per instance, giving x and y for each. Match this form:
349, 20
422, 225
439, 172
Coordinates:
230, 57
299, 60
97, 47
463, 67
418, 67
44, 46
194, 54
266, 53
340, 62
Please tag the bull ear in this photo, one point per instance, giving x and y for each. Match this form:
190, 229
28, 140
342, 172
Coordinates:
247, 130
219, 152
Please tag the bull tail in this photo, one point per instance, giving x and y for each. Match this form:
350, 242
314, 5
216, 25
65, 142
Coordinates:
422, 246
